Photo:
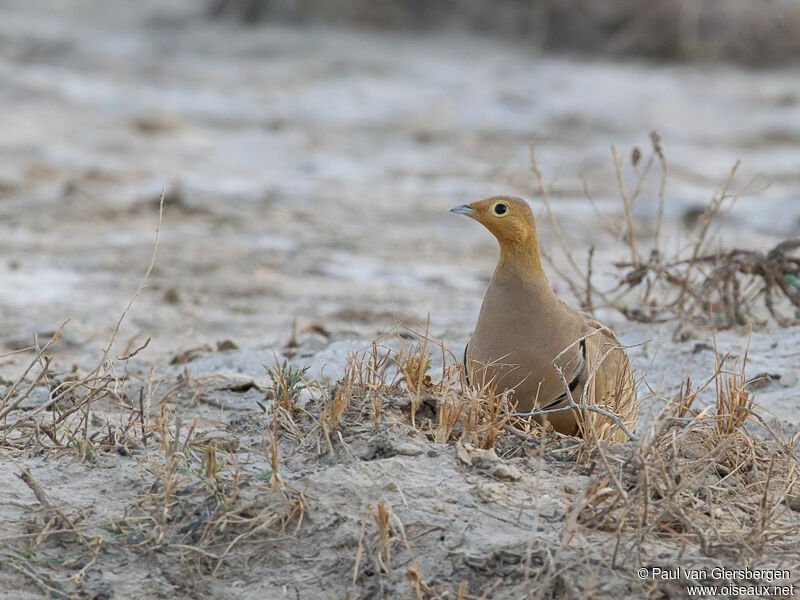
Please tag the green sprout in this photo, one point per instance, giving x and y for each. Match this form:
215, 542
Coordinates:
287, 383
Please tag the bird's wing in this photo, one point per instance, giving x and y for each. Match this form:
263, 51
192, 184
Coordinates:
466, 364
574, 373
610, 383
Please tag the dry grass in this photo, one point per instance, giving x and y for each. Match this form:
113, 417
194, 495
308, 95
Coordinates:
413, 364
338, 402
371, 369
486, 414
450, 409
707, 474
199, 508
196, 505
698, 475
71, 400
696, 284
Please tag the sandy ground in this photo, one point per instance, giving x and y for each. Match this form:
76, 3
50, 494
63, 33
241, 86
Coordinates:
308, 176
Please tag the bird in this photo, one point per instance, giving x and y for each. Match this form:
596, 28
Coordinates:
525, 335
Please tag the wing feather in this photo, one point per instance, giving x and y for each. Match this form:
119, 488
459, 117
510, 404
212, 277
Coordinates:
610, 384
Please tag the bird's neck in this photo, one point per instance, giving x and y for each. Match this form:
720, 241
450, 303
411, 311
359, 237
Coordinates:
521, 262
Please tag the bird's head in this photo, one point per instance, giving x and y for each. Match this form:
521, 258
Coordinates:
509, 219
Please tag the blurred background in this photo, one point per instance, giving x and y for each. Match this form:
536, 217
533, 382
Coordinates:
310, 152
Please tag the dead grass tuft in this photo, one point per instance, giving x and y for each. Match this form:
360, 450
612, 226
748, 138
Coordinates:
485, 416
413, 364
338, 401
699, 475
695, 284
202, 508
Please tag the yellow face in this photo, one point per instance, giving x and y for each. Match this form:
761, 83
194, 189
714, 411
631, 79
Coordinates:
509, 219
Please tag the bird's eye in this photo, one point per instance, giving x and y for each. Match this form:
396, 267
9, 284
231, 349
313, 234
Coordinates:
500, 209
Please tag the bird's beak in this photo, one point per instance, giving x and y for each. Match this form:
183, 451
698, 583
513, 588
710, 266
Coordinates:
463, 209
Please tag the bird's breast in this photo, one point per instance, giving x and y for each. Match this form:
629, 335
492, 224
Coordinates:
516, 339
